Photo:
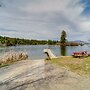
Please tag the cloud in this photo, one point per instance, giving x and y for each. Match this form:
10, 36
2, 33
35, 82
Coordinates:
85, 26
43, 19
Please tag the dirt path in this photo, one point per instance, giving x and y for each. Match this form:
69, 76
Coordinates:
38, 75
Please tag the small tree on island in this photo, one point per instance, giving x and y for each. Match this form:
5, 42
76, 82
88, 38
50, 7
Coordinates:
63, 37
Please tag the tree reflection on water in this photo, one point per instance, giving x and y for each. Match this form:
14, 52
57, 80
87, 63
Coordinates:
63, 50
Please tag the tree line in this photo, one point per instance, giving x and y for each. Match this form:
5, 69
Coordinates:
7, 41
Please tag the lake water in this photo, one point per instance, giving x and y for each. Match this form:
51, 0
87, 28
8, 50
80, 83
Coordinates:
36, 51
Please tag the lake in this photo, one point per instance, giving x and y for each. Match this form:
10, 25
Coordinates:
36, 51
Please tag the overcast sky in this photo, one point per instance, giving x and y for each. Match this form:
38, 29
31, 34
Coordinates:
45, 19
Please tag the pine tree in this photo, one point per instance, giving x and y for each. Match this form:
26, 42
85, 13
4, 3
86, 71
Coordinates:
63, 37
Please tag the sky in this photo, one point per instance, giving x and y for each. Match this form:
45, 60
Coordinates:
45, 19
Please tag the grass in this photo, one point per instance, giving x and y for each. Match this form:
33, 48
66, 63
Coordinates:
78, 65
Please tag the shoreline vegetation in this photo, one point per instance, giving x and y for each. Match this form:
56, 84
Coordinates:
12, 56
7, 41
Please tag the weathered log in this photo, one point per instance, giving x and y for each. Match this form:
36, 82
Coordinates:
50, 55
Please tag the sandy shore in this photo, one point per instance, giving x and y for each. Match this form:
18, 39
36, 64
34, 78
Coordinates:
39, 75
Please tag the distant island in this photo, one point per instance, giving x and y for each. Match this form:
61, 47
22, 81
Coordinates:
65, 42
71, 44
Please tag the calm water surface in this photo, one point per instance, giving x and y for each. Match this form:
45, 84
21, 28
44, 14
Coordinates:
36, 51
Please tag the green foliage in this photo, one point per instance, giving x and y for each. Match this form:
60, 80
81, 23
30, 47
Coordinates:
7, 41
63, 37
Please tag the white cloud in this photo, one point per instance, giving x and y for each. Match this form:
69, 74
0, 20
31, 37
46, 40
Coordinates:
85, 26
43, 19
66, 7
46, 6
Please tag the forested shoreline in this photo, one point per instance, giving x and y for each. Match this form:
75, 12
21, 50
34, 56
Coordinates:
8, 41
